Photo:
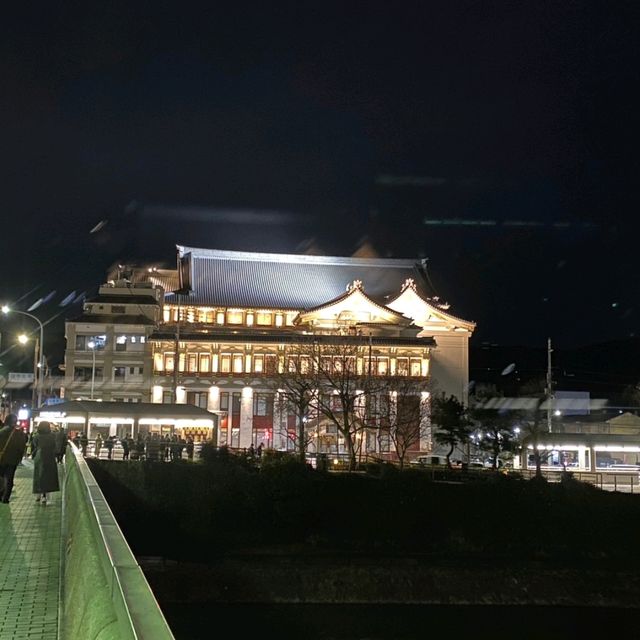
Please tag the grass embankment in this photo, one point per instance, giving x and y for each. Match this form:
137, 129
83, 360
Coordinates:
198, 512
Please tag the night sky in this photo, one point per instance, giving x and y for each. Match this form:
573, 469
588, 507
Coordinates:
496, 139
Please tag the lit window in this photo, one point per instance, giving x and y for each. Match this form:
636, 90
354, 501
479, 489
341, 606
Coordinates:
402, 367
249, 319
263, 318
121, 343
142, 339
166, 314
225, 363
238, 363
415, 366
182, 361
220, 317
214, 363
133, 339
158, 362
279, 320
383, 366
205, 363
258, 364
168, 361
192, 363
235, 317
270, 364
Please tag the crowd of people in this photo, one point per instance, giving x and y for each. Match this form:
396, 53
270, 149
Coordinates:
149, 447
47, 445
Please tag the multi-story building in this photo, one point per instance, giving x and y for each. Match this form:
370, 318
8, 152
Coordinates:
107, 355
221, 330
224, 340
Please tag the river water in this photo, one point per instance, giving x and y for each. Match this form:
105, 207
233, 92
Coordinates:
397, 622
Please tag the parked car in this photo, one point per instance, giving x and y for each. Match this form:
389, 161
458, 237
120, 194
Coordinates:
489, 463
425, 461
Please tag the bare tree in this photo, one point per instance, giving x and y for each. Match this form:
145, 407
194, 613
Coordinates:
325, 380
401, 406
534, 425
344, 384
295, 394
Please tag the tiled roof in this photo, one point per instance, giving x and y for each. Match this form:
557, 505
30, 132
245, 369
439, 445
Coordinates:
165, 278
285, 281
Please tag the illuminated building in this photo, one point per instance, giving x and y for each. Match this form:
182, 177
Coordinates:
218, 331
240, 315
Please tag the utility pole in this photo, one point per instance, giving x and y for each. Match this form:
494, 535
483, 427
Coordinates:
36, 374
549, 388
176, 356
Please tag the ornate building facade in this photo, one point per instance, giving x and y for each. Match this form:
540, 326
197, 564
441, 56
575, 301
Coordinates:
232, 331
225, 329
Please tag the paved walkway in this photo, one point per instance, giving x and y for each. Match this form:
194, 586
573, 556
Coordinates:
29, 563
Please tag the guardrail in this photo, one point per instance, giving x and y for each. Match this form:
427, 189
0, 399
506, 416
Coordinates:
104, 593
618, 481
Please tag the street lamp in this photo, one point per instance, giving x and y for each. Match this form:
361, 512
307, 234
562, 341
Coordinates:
92, 345
40, 368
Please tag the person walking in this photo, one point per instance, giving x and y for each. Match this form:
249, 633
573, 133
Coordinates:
124, 443
84, 443
190, 447
61, 444
140, 448
98, 446
45, 469
108, 445
13, 441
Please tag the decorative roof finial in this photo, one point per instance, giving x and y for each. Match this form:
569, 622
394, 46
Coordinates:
409, 283
356, 284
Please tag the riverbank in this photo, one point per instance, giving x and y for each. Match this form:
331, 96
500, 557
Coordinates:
322, 579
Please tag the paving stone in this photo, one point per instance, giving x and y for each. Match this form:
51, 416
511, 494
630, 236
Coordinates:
29, 563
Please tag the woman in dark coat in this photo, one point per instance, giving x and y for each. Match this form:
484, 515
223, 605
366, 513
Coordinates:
45, 469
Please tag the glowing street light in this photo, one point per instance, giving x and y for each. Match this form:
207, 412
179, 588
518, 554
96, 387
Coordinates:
23, 339
39, 368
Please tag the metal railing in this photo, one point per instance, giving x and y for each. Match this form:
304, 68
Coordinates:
607, 480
